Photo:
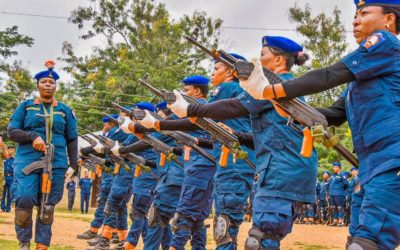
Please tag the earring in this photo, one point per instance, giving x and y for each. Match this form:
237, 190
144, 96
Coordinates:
387, 26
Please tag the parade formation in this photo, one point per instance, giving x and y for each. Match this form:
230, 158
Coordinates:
236, 145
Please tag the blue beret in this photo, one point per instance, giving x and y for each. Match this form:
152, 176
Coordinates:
196, 80
389, 3
48, 73
282, 43
337, 164
237, 56
107, 118
352, 169
146, 105
161, 105
347, 174
327, 172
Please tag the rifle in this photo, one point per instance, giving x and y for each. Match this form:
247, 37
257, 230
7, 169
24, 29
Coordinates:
166, 152
108, 144
189, 142
230, 143
312, 120
46, 164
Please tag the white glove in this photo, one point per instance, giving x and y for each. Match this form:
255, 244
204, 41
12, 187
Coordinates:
99, 148
70, 172
257, 81
148, 121
124, 124
115, 149
180, 106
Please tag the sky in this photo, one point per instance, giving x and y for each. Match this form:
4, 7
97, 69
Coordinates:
50, 33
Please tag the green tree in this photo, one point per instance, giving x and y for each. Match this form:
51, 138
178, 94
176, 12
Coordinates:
16, 81
325, 41
141, 38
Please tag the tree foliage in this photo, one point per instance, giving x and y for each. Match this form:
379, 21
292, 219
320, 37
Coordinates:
141, 37
325, 42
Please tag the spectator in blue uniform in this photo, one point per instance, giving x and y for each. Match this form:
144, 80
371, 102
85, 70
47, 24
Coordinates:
28, 129
71, 187
85, 184
337, 193
324, 195
9, 178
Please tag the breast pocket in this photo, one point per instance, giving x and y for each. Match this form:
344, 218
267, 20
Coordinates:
59, 123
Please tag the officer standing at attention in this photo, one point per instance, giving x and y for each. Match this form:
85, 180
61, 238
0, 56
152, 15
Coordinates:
323, 195
27, 127
286, 179
337, 193
85, 184
370, 104
9, 179
71, 187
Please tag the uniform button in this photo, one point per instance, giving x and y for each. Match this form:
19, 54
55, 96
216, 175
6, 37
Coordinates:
355, 62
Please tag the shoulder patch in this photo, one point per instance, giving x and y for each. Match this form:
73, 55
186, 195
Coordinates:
373, 41
59, 113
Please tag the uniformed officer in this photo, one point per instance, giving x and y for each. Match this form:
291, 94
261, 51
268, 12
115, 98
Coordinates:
85, 184
369, 103
9, 178
28, 129
323, 196
143, 189
195, 198
110, 130
71, 187
286, 179
337, 194
3, 154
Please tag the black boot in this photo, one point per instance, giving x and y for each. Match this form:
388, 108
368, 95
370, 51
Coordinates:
87, 235
103, 244
23, 245
362, 244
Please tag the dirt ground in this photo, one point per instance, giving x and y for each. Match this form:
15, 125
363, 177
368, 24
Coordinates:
67, 225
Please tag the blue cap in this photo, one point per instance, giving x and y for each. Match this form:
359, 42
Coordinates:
196, 80
161, 105
337, 164
326, 172
282, 43
107, 118
389, 3
237, 56
146, 105
48, 73
353, 168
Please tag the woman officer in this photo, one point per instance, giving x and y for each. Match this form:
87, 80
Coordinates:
371, 104
27, 127
286, 179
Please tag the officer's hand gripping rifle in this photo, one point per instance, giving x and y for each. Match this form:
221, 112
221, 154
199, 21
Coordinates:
166, 152
189, 142
230, 143
312, 120
46, 164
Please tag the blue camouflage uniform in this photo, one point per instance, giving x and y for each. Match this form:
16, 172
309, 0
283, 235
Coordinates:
286, 179
233, 183
196, 197
106, 180
323, 202
337, 194
9, 178
25, 189
143, 191
372, 102
166, 197
71, 187
85, 185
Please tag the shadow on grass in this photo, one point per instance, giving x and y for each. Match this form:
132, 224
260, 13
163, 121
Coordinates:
300, 245
13, 244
